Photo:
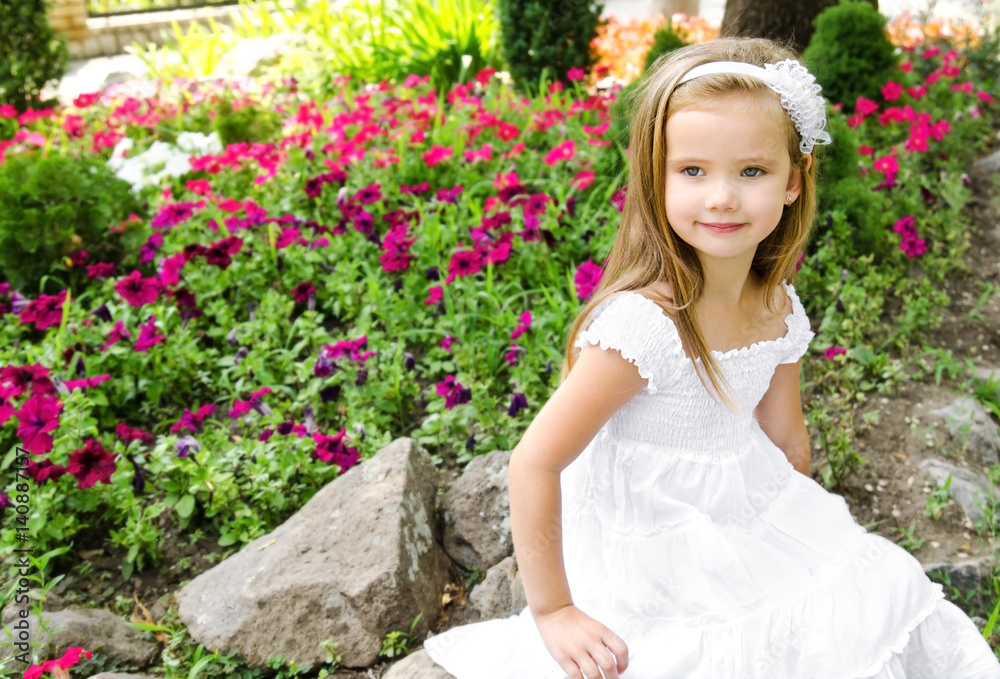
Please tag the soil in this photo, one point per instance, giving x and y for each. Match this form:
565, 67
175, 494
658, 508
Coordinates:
894, 434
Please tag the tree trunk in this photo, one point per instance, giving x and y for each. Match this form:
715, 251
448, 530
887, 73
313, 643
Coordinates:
781, 20
670, 7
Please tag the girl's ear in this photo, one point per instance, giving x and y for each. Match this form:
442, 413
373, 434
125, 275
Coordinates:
795, 176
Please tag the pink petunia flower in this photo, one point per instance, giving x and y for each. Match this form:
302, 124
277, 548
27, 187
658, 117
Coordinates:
454, 393
575, 74
832, 352
463, 263
137, 290
437, 154
587, 278
91, 464
116, 334
38, 416
148, 337
436, 292
563, 152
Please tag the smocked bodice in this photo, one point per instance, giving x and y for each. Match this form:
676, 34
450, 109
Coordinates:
674, 410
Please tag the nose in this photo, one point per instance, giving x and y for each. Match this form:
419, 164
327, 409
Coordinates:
722, 196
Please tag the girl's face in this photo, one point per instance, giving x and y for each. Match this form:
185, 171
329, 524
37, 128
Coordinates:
728, 176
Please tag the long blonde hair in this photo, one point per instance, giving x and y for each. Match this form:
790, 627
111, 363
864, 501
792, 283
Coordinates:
646, 249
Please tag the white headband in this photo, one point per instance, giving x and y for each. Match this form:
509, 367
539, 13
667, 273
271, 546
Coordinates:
800, 95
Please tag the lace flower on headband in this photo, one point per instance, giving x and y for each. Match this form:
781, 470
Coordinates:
800, 94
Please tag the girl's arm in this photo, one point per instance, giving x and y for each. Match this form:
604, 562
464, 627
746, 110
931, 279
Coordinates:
599, 384
780, 416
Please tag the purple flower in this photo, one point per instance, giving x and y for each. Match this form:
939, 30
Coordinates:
454, 393
518, 402
323, 366
187, 445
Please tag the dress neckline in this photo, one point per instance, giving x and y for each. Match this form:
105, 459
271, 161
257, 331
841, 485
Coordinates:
753, 347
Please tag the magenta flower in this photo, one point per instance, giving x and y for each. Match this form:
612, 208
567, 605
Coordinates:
148, 337
333, 450
42, 471
368, 195
172, 214
454, 393
415, 190
170, 268
221, 252
436, 155
38, 416
911, 243
303, 292
91, 464
137, 290
192, 421
618, 199
100, 270
129, 434
891, 91
436, 293
44, 312
464, 263
256, 402
446, 343
832, 352
562, 152
522, 327
588, 277
116, 334
396, 246
34, 377
889, 166
575, 74
512, 355
323, 366
6, 408
149, 249
86, 382
351, 348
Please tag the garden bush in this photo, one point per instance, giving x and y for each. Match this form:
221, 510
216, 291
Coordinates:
548, 38
54, 205
850, 53
31, 53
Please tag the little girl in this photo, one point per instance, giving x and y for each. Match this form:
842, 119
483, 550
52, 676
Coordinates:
665, 523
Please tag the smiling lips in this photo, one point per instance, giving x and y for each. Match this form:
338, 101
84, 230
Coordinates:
722, 227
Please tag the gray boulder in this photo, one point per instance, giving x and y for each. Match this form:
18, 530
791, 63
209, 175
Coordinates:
477, 513
501, 594
965, 575
990, 163
359, 560
969, 489
94, 629
969, 423
417, 665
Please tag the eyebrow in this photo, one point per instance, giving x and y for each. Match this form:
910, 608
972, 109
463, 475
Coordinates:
750, 160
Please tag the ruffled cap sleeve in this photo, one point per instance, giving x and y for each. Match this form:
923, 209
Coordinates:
638, 329
799, 332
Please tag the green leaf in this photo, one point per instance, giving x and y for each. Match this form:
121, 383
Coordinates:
186, 506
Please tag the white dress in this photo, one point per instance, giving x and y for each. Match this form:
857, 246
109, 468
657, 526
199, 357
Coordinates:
688, 533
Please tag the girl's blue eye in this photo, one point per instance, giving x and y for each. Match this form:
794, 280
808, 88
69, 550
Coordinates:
753, 172
691, 171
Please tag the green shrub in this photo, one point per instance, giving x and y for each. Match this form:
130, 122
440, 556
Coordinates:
547, 38
249, 123
665, 40
840, 190
54, 205
31, 53
850, 53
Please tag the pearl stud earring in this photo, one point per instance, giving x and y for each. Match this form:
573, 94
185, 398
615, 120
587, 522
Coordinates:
789, 199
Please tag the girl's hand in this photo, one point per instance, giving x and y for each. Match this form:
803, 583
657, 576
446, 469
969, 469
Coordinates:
581, 645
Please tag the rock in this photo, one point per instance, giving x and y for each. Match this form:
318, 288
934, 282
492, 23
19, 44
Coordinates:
969, 489
94, 629
969, 422
501, 594
966, 575
417, 665
359, 560
990, 163
52, 602
477, 513
987, 373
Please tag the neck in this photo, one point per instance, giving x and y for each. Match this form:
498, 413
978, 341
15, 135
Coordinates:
726, 281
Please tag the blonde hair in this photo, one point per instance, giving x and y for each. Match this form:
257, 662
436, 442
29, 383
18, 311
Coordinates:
646, 249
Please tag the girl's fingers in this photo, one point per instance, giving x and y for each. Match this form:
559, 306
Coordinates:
606, 662
589, 668
617, 647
